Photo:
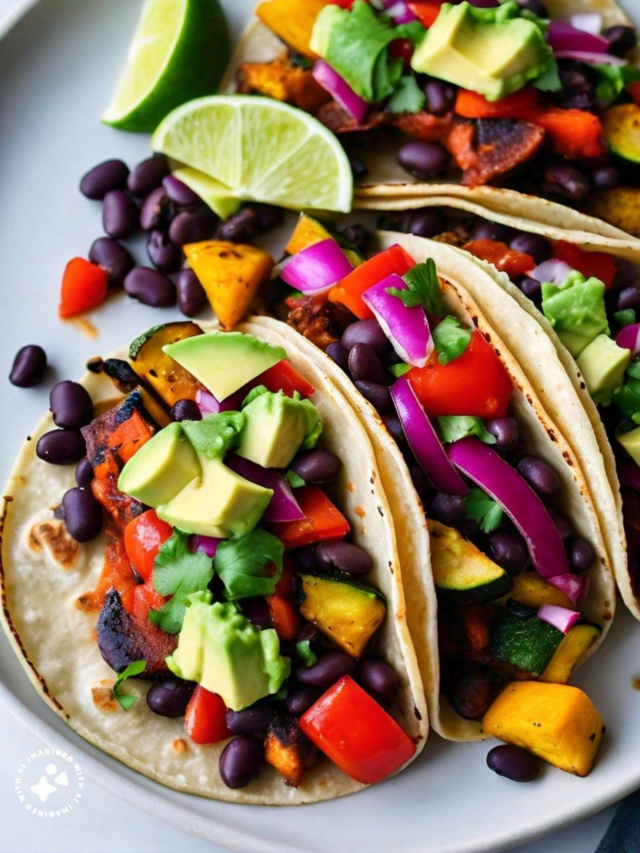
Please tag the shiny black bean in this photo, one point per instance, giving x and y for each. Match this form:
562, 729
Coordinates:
505, 431
150, 287
193, 225
306, 559
170, 697
156, 210
345, 557
28, 366
82, 514
629, 298
119, 214
440, 97
424, 159
581, 555
560, 523
513, 763
61, 447
107, 176
308, 633
330, 667
394, 427
338, 353
567, 181
487, 230
448, 509
300, 699
186, 410
365, 332
317, 466
269, 217
240, 761
71, 405
239, 228
163, 254
113, 258
148, 175
378, 395
365, 364
377, 678
358, 167
251, 721
427, 222
179, 192
257, 612
539, 474
532, 244
509, 550
191, 295
605, 177
621, 39
531, 287
357, 235
84, 473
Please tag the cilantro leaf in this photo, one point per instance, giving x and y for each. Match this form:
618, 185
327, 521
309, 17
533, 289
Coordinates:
125, 699
624, 318
399, 370
407, 97
215, 434
627, 399
306, 653
423, 289
294, 480
455, 427
612, 79
450, 340
179, 573
549, 80
484, 510
245, 565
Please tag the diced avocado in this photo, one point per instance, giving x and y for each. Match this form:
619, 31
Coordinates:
276, 426
576, 310
621, 126
631, 443
462, 573
221, 650
602, 364
490, 51
225, 361
532, 590
162, 467
349, 612
575, 643
524, 641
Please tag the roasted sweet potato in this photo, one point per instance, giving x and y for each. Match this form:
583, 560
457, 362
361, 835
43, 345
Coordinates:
283, 81
289, 750
166, 377
292, 21
620, 206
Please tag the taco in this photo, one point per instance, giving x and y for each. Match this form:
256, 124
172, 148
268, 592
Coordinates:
194, 566
465, 448
503, 105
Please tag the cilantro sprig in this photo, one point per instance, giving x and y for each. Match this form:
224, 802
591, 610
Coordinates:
125, 699
484, 510
450, 340
455, 427
422, 289
178, 572
246, 565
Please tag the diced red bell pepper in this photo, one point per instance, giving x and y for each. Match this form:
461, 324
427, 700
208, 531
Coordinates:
634, 91
475, 384
285, 617
116, 573
349, 291
141, 598
356, 733
205, 720
143, 538
284, 377
518, 105
503, 258
426, 11
323, 520
84, 286
596, 264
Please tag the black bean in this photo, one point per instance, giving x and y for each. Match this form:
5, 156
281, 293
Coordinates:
605, 177
300, 699
345, 557
629, 298
390, 222
440, 97
61, 447
71, 405
317, 466
193, 225
306, 559
240, 761
424, 159
531, 288
119, 214
358, 167
185, 410
365, 364
338, 353
107, 176
150, 287
377, 678
357, 235
82, 514
487, 230
257, 612
505, 431
420, 482
28, 367
179, 192
448, 509
365, 332
567, 181
622, 39
581, 555
251, 721
156, 210
513, 763
626, 275
269, 217
163, 254
536, 6
84, 473
239, 228
113, 258
509, 551
378, 395
170, 697
427, 222
148, 175
539, 474
330, 667
191, 294
533, 244
394, 427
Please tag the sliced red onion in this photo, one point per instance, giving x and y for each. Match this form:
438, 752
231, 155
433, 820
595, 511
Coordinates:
629, 338
407, 328
340, 90
317, 267
204, 545
588, 22
560, 617
553, 271
591, 57
208, 404
629, 474
283, 506
575, 587
564, 37
523, 506
423, 441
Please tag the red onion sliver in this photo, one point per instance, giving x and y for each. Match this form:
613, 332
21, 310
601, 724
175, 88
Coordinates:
340, 90
283, 506
591, 58
565, 38
560, 617
204, 545
317, 268
208, 404
575, 587
554, 271
629, 338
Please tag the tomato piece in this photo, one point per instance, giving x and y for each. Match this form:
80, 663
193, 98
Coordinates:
349, 291
596, 264
426, 11
84, 286
503, 258
356, 733
285, 617
518, 105
284, 377
476, 383
323, 520
143, 538
206, 718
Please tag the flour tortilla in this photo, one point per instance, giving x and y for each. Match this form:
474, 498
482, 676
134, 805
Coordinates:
53, 637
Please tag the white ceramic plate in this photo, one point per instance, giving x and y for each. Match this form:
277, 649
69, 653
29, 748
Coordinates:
58, 66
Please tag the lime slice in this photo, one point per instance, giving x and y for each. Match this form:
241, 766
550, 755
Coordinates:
260, 150
179, 52
212, 192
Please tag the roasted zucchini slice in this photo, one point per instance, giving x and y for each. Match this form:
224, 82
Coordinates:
524, 641
532, 590
575, 643
621, 129
166, 377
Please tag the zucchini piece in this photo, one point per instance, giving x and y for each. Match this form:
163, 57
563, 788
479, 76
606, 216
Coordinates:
462, 573
524, 641
532, 590
571, 649
159, 371
347, 611
621, 129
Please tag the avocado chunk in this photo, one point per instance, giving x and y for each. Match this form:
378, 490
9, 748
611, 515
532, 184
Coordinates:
221, 650
576, 310
224, 361
631, 443
490, 51
462, 573
575, 643
348, 612
162, 467
524, 641
276, 426
602, 364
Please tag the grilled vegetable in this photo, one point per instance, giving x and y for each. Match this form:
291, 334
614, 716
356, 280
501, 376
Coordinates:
308, 232
166, 377
465, 632
289, 750
569, 652
620, 206
471, 689
532, 590
292, 21
283, 81
622, 131
524, 641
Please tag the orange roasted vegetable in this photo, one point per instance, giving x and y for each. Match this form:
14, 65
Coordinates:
166, 377
284, 81
292, 21
289, 750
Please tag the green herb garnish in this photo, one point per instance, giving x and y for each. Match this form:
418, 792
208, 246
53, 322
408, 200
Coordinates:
178, 572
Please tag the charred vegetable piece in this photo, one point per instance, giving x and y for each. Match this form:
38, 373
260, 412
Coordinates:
117, 573
493, 148
532, 590
556, 722
524, 641
462, 573
309, 231
347, 611
622, 131
283, 81
471, 689
289, 750
619, 206
166, 377
465, 633
292, 21
573, 646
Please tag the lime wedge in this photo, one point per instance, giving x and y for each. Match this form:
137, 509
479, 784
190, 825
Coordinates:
260, 150
179, 52
212, 192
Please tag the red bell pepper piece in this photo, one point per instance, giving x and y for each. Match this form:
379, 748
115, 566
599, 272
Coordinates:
205, 720
141, 598
116, 573
518, 105
349, 291
143, 538
284, 377
84, 286
323, 520
284, 616
357, 734
476, 383
503, 258
426, 11
596, 264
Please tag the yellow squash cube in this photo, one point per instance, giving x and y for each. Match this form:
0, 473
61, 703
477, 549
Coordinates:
292, 21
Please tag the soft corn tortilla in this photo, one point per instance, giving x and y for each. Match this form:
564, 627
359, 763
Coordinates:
541, 436
53, 637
